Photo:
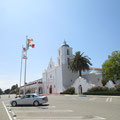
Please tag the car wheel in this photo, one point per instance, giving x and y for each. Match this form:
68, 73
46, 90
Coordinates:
36, 103
14, 103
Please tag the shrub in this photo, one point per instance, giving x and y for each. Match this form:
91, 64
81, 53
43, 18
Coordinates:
103, 93
104, 82
97, 88
28, 91
117, 87
112, 89
12, 92
70, 90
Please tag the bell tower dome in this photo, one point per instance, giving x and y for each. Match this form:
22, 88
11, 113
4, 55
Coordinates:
64, 54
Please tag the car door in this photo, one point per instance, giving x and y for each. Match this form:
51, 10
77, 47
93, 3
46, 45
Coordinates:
29, 99
21, 101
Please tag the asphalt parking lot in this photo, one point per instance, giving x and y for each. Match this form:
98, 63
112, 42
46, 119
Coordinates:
64, 108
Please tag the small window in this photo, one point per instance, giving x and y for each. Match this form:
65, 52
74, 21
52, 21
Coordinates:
59, 52
51, 76
68, 60
59, 61
67, 52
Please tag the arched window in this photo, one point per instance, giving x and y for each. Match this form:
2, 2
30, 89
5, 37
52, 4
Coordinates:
67, 52
68, 59
59, 61
59, 52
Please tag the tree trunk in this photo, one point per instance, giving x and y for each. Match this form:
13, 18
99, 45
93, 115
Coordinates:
80, 74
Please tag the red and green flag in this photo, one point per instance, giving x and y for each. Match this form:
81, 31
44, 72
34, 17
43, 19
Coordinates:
29, 45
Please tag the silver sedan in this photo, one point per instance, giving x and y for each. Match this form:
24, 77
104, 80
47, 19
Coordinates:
29, 99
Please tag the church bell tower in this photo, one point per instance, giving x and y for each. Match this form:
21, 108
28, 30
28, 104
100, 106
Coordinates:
64, 54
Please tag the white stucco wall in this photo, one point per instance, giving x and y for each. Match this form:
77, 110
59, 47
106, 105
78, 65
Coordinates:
110, 84
84, 84
59, 82
44, 76
94, 79
49, 80
53, 77
34, 86
68, 76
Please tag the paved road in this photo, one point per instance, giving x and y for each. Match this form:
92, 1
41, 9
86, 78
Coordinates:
3, 112
67, 108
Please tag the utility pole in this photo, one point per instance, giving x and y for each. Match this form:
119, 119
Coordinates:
25, 67
21, 70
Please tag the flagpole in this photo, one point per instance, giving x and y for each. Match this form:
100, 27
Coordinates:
21, 70
25, 67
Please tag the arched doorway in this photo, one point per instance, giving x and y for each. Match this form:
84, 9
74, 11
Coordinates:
80, 89
50, 89
40, 90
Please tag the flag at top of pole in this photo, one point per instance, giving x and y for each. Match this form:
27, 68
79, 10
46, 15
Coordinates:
29, 45
29, 41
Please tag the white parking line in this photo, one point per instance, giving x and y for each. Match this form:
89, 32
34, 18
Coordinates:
7, 111
44, 110
100, 118
109, 99
63, 118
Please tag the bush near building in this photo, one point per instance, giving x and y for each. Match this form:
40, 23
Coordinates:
117, 87
70, 90
103, 91
28, 91
98, 88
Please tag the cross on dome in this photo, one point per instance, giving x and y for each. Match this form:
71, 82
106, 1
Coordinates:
65, 44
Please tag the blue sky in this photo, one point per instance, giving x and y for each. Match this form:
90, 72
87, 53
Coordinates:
90, 26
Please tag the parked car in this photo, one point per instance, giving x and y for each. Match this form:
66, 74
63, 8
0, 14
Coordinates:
29, 99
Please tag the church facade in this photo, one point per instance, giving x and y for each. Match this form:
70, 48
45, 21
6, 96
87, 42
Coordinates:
58, 77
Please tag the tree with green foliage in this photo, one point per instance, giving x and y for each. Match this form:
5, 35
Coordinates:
14, 89
1, 92
111, 68
7, 91
79, 63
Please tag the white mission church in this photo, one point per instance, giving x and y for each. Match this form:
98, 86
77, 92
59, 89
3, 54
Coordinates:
58, 77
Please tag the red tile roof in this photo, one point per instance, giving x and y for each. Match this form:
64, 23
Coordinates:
95, 68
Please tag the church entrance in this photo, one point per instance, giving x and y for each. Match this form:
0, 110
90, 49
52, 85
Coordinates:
40, 90
50, 89
80, 89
